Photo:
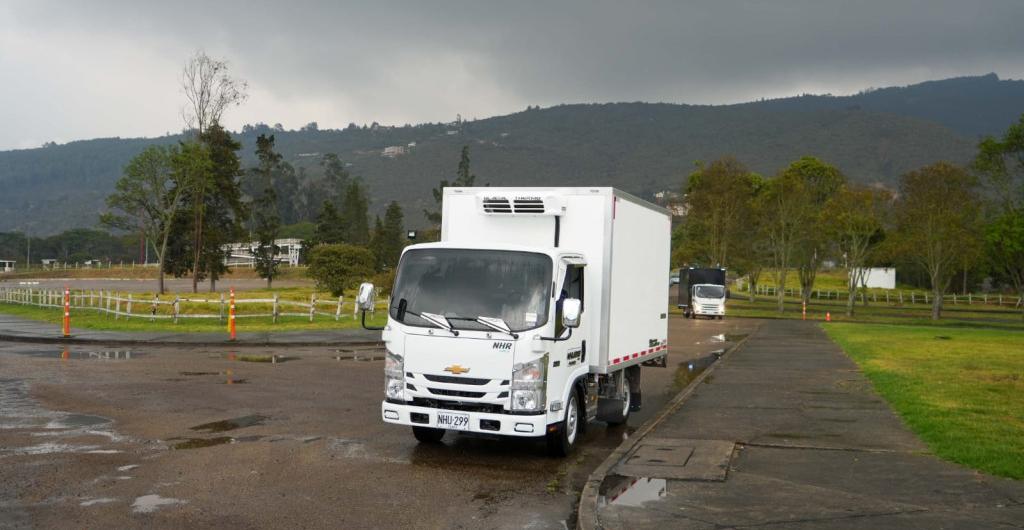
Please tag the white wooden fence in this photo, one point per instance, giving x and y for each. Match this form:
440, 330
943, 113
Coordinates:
900, 297
153, 308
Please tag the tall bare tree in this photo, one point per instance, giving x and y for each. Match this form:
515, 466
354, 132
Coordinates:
938, 222
147, 198
209, 90
856, 217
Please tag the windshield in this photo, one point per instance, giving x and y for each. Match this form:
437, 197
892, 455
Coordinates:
709, 291
463, 284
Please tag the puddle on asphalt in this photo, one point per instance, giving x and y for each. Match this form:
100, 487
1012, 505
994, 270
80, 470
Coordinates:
199, 443
617, 490
270, 359
689, 370
231, 424
67, 354
93, 502
151, 503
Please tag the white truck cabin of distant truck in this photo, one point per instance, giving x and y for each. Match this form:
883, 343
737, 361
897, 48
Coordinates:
709, 300
531, 317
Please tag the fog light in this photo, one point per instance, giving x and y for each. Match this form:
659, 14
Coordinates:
524, 427
390, 415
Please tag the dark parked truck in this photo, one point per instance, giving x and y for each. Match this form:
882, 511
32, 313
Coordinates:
702, 292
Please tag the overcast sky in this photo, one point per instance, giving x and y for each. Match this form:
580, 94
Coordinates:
79, 70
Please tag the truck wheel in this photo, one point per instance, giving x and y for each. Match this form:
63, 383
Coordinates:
563, 439
428, 435
626, 403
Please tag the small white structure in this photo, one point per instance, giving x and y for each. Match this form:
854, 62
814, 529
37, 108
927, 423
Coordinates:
49, 263
242, 254
6, 265
393, 150
877, 277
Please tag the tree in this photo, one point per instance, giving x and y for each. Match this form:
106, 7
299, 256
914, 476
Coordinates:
268, 224
856, 218
209, 91
719, 197
463, 178
223, 208
148, 196
192, 166
329, 228
1001, 161
937, 222
354, 216
821, 182
336, 178
393, 236
784, 207
337, 268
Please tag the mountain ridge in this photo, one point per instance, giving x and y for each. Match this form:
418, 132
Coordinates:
639, 147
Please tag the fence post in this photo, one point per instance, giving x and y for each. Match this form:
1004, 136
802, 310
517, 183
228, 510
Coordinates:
1000, 299
117, 307
128, 307
337, 312
912, 301
221, 317
67, 312
312, 306
177, 308
275, 309
156, 298
231, 315
969, 301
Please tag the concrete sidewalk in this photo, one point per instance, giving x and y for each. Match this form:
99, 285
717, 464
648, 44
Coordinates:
787, 433
25, 330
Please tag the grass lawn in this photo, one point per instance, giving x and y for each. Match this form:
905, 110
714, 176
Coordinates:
88, 319
960, 315
960, 390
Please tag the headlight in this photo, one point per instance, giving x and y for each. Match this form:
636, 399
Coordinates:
529, 382
394, 376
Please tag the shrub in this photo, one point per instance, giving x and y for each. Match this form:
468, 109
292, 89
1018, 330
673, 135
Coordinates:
339, 267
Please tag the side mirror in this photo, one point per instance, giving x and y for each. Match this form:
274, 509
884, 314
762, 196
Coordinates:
571, 309
365, 298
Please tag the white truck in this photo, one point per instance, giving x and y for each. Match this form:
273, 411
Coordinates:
531, 317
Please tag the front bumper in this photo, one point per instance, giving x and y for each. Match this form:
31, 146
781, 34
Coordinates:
506, 424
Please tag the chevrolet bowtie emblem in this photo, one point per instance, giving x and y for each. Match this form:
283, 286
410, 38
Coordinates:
456, 369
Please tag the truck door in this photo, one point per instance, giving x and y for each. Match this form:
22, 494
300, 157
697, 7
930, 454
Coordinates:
568, 357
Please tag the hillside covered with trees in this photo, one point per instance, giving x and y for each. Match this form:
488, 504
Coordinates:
874, 137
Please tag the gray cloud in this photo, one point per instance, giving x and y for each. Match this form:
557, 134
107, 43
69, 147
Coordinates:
85, 69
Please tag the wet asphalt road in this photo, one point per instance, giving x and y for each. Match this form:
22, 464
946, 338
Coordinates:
95, 438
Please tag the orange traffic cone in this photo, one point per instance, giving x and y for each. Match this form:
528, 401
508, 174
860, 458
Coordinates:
828, 316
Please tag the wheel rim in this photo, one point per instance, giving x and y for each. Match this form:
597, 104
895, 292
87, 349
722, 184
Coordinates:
571, 419
625, 402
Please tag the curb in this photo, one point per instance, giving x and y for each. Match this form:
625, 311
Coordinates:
199, 343
586, 514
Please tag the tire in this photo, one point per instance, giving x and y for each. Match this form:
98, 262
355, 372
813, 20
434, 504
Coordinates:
626, 404
563, 439
428, 435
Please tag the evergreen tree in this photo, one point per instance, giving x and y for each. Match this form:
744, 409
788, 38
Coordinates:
377, 244
392, 236
463, 178
354, 216
268, 224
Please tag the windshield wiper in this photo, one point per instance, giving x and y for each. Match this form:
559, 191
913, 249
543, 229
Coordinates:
497, 324
438, 320
494, 323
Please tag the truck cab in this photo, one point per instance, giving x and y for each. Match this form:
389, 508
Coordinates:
708, 300
502, 327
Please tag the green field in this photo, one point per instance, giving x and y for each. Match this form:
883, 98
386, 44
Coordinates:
960, 315
960, 390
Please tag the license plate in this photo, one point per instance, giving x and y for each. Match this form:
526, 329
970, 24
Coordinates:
456, 422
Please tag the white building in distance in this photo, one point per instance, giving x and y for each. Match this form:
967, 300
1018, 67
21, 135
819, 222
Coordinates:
877, 277
243, 254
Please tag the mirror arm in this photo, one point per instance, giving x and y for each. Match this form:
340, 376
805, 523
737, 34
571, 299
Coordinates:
371, 328
557, 339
